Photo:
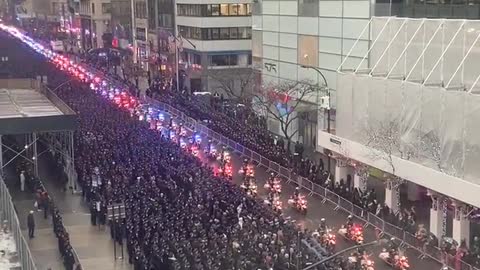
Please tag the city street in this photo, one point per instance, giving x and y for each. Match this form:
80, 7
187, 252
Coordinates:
316, 211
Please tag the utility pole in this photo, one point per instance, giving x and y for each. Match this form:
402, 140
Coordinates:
134, 31
329, 108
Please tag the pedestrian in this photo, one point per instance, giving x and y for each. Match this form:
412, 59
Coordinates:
31, 224
93, 213
45, 204
22, 181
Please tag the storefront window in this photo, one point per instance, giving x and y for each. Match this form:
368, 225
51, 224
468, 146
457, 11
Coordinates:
224, 60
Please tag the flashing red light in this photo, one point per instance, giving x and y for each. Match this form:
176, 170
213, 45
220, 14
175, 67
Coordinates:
97, 79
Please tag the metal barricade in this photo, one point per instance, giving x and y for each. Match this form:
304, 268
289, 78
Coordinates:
223, 139
255, 157
247, 152
264, 162
285, 172
345, 204
394, 231
411, 240
293, 179
274, 167
239, 148
232, 144
376, 221
307, 184
332, 197
360, 213
435, 253
319, 190
216, 136
8, 211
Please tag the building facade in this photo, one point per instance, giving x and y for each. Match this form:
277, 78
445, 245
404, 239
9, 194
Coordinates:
95, 20
305, 39
216, 41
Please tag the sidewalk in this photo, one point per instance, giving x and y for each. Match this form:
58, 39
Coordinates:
92, 245
44, 246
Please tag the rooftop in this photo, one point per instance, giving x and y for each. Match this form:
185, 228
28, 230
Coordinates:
26, 106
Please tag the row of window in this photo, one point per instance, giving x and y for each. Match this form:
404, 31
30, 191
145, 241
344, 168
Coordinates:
197, 10
217, 60
61, 7
141, 10
224, 33
223, 60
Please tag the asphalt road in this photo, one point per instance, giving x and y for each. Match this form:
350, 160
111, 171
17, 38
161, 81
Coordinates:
316, 211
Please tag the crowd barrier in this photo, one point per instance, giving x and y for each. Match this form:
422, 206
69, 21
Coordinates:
367, 218
8, 214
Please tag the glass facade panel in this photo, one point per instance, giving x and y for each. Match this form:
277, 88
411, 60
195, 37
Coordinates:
308, 8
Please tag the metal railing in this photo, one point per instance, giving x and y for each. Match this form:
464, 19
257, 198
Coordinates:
10, 216
77, 265
366, 217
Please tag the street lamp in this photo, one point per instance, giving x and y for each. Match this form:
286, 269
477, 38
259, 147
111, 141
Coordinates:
328, 95
177, 58
341, 252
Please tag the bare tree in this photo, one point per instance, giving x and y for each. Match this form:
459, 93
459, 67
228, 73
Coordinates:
430, 146
236, 84
281, 102
385, 138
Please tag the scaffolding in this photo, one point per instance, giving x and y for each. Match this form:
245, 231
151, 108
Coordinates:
423, 75
30, 113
